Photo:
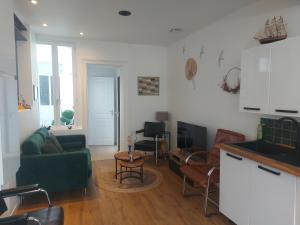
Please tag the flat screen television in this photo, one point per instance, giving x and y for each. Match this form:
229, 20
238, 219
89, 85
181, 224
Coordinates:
190, 137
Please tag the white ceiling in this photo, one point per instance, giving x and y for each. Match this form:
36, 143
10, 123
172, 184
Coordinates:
149, 23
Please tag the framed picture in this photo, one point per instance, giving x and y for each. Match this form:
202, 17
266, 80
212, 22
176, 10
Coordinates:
148, 86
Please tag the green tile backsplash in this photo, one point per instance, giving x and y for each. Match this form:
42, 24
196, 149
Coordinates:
279, 132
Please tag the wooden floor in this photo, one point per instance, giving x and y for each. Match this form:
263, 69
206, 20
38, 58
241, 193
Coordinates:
163, 205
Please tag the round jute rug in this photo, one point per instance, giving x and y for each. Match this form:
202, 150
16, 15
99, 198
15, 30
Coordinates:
106, 181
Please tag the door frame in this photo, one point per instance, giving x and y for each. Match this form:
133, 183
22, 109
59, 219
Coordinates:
123, 73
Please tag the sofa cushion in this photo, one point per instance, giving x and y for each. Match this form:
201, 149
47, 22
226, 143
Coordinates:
43, 131
71, 141
54, 140
55, 172
49, 147
32, 145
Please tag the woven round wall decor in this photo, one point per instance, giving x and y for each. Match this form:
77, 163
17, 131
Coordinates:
190, 69
231, 88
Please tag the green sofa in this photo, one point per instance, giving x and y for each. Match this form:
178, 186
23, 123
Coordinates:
56, 172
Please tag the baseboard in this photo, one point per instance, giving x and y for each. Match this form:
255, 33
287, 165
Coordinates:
14, 209
13, 204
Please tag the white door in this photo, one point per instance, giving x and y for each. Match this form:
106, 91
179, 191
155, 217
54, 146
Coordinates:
285, 78
273, 196
101, 106
255, 76
235, 187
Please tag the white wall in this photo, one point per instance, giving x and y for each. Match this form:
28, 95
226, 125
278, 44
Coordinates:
134, 61
208, 105
9, 135
27, 75
146, 61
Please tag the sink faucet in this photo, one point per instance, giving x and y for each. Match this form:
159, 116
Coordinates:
295, 122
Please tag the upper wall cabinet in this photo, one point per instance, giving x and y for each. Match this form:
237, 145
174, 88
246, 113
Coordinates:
270, 79
7, 38
285, 78
255, 80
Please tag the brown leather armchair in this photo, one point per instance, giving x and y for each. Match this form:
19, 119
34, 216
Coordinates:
207, 174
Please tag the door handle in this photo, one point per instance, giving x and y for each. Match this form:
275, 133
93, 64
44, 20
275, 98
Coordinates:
269, 170
286, 111
251, 109
234, 157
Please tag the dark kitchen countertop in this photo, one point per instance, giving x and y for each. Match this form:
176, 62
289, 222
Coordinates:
282, 158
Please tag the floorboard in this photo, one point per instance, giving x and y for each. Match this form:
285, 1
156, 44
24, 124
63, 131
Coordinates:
163, 205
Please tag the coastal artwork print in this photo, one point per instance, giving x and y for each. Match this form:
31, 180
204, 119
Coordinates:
148, 86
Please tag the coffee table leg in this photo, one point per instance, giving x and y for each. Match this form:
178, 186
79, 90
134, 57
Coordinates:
142, 174
121, 175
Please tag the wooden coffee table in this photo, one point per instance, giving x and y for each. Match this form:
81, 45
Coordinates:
124, 157
130, 168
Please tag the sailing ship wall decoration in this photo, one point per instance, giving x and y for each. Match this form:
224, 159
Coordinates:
273, 31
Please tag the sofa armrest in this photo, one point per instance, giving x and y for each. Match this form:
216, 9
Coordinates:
49, 170
72, 141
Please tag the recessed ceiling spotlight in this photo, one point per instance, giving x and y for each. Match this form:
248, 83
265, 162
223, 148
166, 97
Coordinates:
81, 34
45, 25
175, 29
34, 2
124, 13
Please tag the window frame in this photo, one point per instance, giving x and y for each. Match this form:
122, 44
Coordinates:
55, 86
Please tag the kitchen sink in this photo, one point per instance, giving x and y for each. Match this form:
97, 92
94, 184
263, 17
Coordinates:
265, 148
269, 150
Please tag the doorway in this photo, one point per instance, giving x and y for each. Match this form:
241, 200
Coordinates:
103, 105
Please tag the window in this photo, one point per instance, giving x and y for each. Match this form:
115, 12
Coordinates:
56, 95
45, 87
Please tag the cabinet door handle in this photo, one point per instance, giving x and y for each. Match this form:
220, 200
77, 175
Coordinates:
269, 170
286, 111
235, 157
251, 109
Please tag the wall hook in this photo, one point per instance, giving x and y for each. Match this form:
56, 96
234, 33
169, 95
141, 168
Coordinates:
201, 52
221, 58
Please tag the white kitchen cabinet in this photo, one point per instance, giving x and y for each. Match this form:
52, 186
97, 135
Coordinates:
255, 194
272, 196
297, 211
255, 80
285, 78
7, 38
270, 77
235, 187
